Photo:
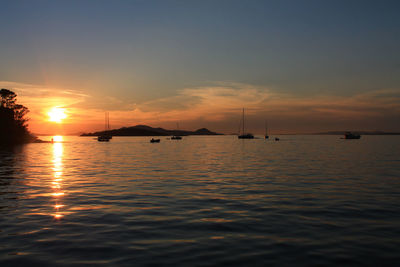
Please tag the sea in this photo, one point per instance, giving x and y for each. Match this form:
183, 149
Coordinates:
305, 200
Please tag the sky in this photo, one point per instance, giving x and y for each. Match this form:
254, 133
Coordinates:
302, 65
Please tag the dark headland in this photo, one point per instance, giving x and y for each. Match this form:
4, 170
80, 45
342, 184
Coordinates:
143, 130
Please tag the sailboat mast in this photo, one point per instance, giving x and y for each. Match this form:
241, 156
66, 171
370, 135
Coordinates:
108, 120
243, 122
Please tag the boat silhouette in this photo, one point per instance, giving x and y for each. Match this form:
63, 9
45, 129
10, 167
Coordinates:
350, 135
176, 137
105, 137
245, 135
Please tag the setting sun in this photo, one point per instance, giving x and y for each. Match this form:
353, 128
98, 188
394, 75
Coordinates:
57, 114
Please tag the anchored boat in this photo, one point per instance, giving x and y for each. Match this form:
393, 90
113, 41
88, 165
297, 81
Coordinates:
105, 137
245, 135
350, 135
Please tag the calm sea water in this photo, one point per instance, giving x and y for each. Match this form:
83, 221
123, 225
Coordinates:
201, 201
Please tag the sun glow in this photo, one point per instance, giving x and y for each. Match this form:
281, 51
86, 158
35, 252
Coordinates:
57, 114
57, 138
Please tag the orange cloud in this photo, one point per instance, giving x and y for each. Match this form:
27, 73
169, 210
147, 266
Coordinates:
224, 101
217, 107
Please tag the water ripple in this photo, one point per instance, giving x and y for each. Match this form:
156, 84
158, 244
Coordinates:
204, 201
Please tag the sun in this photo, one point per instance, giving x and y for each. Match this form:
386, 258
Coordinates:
57, 114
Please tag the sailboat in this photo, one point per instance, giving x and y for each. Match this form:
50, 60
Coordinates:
176, 137
266, 130
350, 135
105, 137
245, 135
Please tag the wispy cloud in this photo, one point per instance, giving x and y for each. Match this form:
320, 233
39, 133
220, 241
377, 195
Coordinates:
40, 99
224, 101
218, 107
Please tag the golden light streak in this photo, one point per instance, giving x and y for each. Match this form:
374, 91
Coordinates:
57, 138
57, 173
58, 216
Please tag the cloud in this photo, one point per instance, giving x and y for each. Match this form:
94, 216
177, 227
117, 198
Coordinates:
223, 102
43, 97
210, 102
218, 107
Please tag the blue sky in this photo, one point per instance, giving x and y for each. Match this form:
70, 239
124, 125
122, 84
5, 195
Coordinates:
140, 52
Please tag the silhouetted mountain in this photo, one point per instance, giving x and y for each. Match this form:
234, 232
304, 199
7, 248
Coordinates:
359, 132
143, 130
204, 131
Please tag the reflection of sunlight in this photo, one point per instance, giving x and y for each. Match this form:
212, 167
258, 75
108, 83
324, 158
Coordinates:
57, 175
57, 216
57, 152
57, 138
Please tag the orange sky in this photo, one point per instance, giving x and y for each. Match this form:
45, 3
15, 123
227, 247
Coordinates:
217, 107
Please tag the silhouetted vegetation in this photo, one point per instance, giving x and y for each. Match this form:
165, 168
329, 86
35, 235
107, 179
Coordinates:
12, 120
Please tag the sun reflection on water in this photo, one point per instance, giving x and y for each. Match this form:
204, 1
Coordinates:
57, 138
57, 176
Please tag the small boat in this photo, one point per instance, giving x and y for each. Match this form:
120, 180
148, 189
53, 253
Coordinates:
350, 135
176, 137
266, 130
245, 135
154, 140
105, 137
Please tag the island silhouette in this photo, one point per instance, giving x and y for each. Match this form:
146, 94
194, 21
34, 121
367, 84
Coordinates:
144, 130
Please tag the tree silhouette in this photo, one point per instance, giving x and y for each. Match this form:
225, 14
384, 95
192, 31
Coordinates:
8, 98
13, 127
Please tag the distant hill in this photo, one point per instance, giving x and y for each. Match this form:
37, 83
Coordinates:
143, 130
359, 132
